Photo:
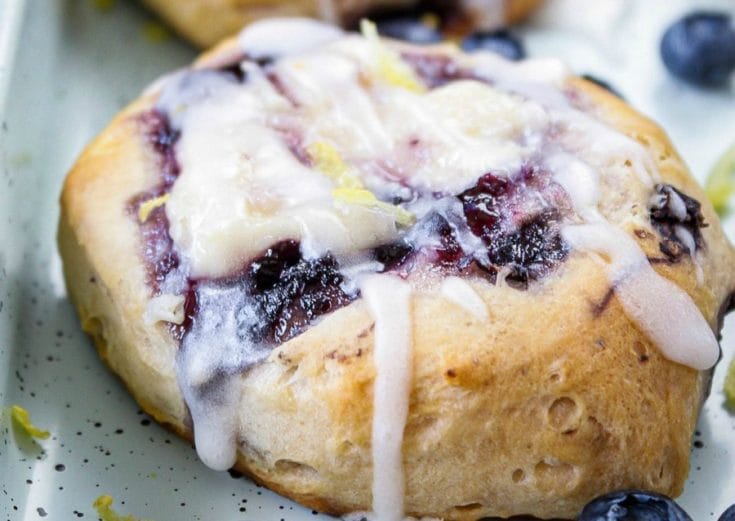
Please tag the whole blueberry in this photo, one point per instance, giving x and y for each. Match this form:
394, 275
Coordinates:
633, 505
700, 49
500, 41
410, 29
728, 515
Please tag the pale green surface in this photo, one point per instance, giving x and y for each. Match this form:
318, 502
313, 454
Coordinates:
74, 68
720, 184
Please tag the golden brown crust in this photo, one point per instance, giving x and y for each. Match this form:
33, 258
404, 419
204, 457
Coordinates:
556, 398
206, 22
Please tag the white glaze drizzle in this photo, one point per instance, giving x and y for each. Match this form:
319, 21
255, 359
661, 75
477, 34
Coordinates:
687, 239
677, 205
164, 308
212, 356
389, 301
214, 419
461, 293
662, 310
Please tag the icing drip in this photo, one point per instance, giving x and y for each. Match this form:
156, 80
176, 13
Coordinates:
687, 239
165, 308
213, 354
389, 302
214, 416
461, 293
662, 310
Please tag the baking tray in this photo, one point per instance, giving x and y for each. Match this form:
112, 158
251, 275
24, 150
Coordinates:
65, 68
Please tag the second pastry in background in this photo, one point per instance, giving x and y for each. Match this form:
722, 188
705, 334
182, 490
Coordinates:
205, 22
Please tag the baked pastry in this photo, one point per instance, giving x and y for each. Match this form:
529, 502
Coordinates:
206, 22
383, 277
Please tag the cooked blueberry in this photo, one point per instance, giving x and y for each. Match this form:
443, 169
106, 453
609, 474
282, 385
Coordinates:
393, 255
728, 515
518, 219
633, 505
289, 292
500, 41
448, 252
604, 84
409, 29
700, 49
672, 212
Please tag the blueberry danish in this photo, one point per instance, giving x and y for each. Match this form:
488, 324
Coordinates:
401, 280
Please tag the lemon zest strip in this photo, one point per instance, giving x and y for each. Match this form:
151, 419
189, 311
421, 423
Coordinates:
391, 68
151, 204
363, 197
103, 506
23, 419
350, 189
328, 161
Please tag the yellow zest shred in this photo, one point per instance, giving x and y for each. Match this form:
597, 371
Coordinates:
363, 197
720, 184
391, 68
23, 419
730, 384
103, 506
328, 161
151, 204
350, 189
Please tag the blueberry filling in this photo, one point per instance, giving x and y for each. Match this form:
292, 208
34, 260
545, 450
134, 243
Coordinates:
289, 292
163, 138
448, 253
158, 250
676, 216
519, 222
270, 301
394, 255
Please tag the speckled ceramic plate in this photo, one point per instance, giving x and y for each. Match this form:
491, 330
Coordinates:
66, 67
